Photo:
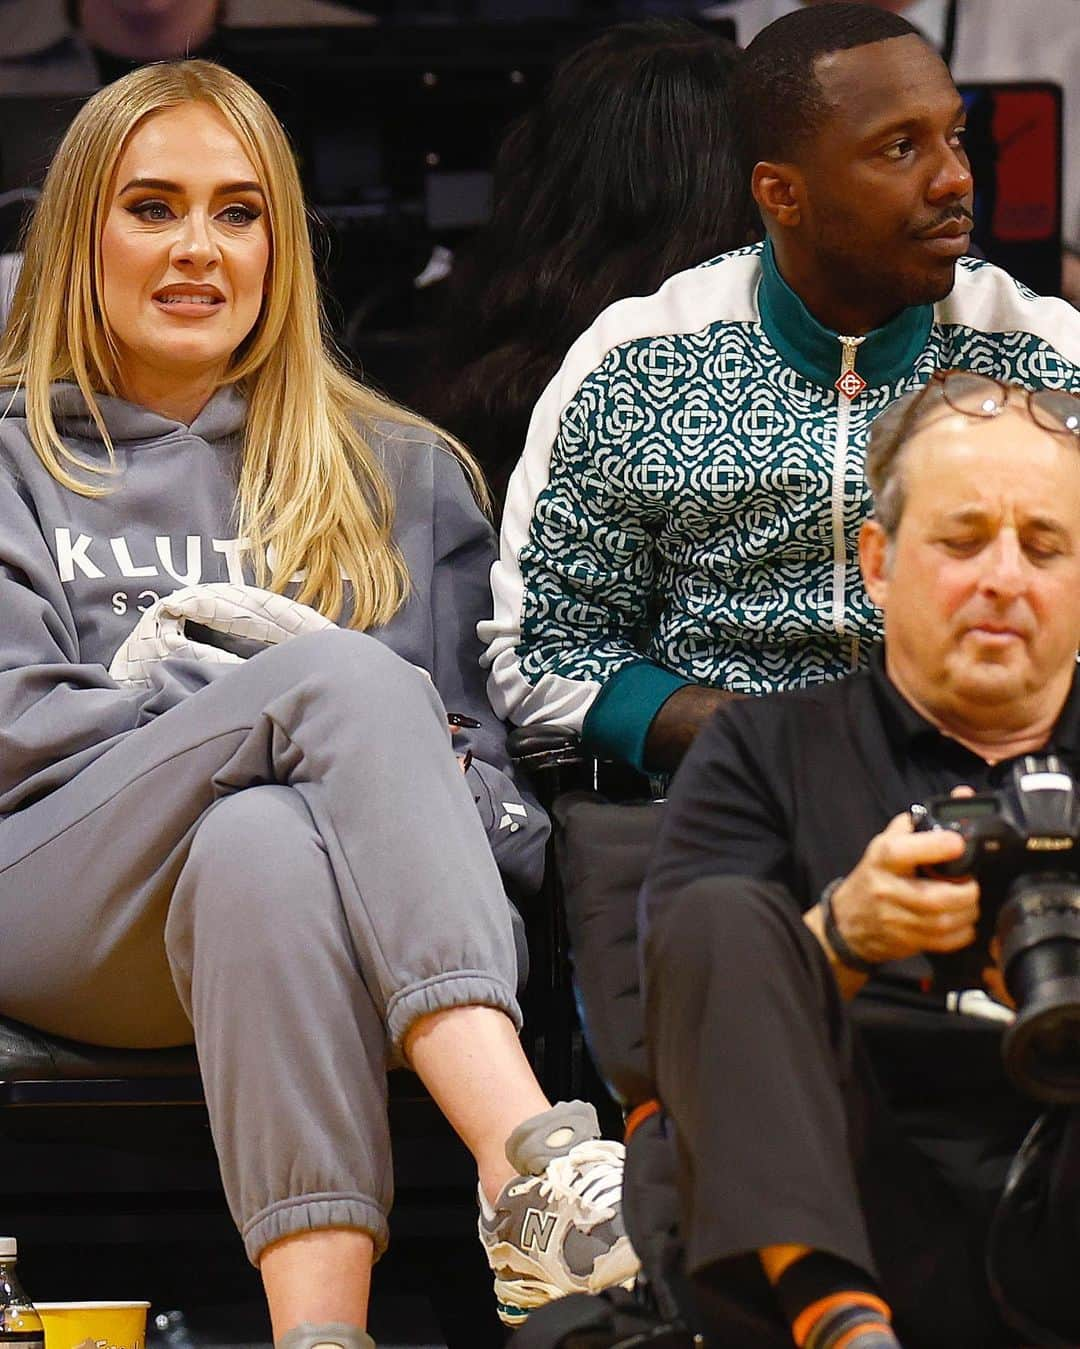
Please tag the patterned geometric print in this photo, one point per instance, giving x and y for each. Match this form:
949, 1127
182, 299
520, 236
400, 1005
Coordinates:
688, 513
746, 251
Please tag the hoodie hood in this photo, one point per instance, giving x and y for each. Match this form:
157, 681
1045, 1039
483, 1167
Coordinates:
222, 416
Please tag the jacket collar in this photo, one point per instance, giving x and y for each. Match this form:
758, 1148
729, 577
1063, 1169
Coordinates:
885, 355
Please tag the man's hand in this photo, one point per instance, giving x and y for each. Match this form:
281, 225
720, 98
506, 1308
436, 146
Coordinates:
678, 721
886, 911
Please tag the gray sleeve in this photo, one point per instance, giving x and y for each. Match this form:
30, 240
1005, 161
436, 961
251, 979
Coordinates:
57, 712
464, 545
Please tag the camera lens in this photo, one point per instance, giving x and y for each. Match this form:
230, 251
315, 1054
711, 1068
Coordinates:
1041, 1050
1039, 928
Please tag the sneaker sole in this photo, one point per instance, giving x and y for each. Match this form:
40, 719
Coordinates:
512, 1316
516, 1313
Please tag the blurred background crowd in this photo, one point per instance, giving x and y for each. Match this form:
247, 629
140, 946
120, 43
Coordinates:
431, 237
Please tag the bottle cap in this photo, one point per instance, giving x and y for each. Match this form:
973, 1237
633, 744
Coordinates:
9, 1247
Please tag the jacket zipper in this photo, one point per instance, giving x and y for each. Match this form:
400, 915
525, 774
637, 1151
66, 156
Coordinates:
850, 347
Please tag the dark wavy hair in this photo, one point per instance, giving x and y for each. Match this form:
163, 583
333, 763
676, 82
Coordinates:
624, 173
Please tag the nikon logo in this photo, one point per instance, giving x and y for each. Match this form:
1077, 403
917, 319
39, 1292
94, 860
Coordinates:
1049, 844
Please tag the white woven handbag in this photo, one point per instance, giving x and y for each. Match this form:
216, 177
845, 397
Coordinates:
235, 610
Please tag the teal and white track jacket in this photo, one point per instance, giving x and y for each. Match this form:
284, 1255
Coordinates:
687, 506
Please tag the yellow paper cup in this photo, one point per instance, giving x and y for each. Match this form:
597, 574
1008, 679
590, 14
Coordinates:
93, 1325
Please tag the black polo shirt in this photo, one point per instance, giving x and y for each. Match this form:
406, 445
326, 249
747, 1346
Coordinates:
791, 788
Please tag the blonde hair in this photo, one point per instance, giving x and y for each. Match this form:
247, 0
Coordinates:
311, 490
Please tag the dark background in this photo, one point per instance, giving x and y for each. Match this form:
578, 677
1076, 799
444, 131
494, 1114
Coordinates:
396, 128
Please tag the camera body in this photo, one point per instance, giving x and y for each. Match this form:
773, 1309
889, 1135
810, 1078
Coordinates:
1029, 826
1022, 845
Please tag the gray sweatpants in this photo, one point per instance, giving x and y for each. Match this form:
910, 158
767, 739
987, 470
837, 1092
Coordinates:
291, 863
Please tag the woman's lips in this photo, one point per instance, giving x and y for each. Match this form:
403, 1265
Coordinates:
186, 306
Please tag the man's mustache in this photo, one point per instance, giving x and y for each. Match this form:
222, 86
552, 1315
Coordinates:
960, 213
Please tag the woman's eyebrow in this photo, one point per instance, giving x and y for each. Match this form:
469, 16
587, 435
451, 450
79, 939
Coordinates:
164, 185
158, 184
227, 188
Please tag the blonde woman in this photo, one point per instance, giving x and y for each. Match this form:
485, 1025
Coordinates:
281, 858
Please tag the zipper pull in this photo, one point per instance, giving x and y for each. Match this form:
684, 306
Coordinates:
851, 383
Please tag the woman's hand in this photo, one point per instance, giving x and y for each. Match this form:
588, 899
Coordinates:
458, 721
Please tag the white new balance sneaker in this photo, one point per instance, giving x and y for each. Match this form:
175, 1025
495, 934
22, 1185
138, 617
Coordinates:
557, 1229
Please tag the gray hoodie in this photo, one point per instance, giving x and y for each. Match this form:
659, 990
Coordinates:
76, 572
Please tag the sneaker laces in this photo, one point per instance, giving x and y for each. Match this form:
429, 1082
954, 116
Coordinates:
589, 1175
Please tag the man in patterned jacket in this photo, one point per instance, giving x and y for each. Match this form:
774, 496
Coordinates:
682, 526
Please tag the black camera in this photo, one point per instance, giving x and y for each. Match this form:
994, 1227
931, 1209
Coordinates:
1022, 845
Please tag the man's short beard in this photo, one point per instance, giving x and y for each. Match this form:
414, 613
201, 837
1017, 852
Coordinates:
928, 289
874, 287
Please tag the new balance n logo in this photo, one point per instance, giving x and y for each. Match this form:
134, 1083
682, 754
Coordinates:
536, 1230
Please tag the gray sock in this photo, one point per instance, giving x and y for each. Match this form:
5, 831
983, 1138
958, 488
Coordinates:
536, 1141
333, 1335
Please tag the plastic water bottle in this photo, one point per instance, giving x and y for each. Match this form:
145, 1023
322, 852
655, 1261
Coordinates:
20, 1325
173, 1332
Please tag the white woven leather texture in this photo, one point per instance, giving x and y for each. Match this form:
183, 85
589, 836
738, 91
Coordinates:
237, 610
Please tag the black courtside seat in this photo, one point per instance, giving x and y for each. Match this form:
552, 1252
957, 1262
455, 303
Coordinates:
41, 1070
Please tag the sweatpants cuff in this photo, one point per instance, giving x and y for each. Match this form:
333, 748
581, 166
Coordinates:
312, 1213
463, 988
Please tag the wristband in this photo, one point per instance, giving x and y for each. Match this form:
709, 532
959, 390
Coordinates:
840, 949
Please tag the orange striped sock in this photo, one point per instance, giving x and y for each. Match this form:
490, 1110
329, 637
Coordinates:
845, 1320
